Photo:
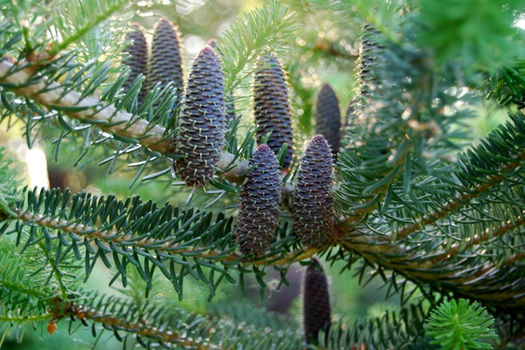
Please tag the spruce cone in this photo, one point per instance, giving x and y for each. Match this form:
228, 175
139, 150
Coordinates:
272, 110
200, 125
313, 202
165, 63
328, 117
259, 209
138, 58
316, 303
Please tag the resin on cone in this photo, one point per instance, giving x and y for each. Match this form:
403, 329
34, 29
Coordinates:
199, 135
272, 107
313, 208
137, 59
260, 202
316, 303
165, 62
328, 117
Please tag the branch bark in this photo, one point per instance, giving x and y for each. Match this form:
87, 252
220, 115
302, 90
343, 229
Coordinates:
26, 83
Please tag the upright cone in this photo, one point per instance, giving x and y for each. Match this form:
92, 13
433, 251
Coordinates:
272, 108
165, 62
313, 209
199, 134
316, 303
369, 56
137, 59
261, 199
328, 117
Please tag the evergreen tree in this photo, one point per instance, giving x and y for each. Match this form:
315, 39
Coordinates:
414, 198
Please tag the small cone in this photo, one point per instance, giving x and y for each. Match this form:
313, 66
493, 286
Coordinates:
138, 58
313, 208
199, 134
261, 199
272, 108
316, 303
328, 117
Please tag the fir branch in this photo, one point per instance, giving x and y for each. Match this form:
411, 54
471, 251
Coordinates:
138, 326
498, 158
111, 236
86, 109
158, 326
108, 9
10, 318
91, 110
392, 330
462, 199
484, 283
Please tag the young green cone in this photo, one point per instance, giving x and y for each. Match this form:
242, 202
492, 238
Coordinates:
313, 209
259, 208
316, 302
272, 108
200, 125
137, 59
328, 117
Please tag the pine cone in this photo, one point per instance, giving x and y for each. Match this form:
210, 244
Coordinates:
165, 63
272, 110
261, 199
316, 302
200, 125
138, 58
313, 202
328, 117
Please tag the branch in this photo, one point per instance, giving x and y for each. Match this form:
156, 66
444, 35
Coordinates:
476, 239
140, 326
86, 109
460, 200
166, 246
91, 110
486, 283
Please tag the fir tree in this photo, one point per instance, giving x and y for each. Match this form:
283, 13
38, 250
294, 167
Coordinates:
416, 199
